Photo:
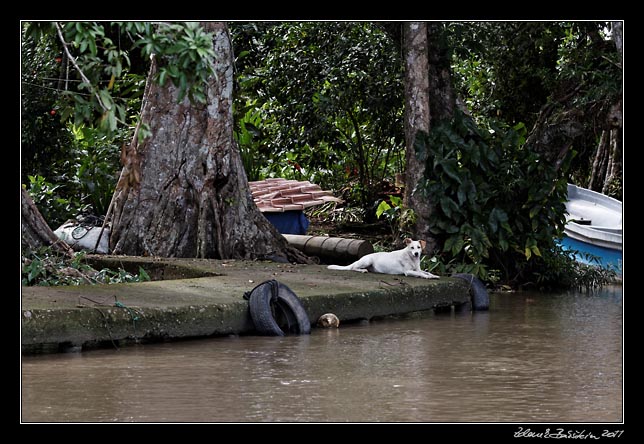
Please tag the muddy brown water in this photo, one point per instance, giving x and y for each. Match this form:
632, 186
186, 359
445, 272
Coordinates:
531, 358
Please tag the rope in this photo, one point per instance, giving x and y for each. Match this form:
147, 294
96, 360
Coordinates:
87, 223
107, 327
132, 312
129, 310
134, 317
75, 236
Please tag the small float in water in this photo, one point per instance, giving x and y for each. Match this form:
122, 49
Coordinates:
594, 226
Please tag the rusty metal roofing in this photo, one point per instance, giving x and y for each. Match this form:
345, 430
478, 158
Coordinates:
278, 195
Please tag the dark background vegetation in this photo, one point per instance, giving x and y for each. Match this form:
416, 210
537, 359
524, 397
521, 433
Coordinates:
323, 101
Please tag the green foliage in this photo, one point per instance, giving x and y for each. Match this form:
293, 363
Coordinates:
498, 206
561, 269
74, 124
250, 135
44, 138
55, 206
94, 167
96, 87
327, 101
505, 70
78, 173
81, 183
323, 101
46, 267
589, 65
398, 217
510, 71
186, 52
89, 97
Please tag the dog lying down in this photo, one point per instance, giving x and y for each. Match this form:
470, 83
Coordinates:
405, 261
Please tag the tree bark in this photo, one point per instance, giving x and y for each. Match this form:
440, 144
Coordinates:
600, 162
615, 119
35, 232
614, 170
429, 98
442, 98
183, 191
618, 38
417, 119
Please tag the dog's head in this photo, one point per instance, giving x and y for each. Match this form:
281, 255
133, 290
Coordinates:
415, 248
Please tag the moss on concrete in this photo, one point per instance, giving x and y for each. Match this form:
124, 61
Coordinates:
75, 318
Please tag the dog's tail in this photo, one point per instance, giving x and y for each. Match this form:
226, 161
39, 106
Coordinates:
339, 267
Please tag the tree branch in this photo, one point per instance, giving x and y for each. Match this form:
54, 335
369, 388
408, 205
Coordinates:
35, 230
80, 71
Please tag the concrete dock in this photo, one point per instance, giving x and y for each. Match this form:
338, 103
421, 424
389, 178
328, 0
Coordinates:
194, 298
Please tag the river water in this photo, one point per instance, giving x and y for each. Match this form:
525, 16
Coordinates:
532, 358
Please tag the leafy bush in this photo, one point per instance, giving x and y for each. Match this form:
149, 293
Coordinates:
398, 217
250, 135
93, 168
83, 182
561, 269
55, 206
497, 205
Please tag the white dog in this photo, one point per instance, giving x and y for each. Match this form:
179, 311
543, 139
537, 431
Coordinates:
405, 261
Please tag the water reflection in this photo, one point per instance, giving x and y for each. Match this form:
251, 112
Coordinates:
531, 358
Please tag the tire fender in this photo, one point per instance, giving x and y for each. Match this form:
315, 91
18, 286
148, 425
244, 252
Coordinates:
272, 298
478, 293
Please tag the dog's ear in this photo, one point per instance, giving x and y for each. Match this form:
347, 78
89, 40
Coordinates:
422, 244
408, 241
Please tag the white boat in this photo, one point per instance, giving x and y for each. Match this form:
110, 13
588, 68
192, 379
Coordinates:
593, 218
594, 227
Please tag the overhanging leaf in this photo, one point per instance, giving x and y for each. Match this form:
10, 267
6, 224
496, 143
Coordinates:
382, 207
450, 167
448, 206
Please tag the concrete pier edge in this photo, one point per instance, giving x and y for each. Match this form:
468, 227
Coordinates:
204, 298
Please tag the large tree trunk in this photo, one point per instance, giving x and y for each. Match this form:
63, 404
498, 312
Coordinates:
613, 177
618, 38
35, 231
614, 170
429, 98
442, 98
183, 191
417, 118
600, 162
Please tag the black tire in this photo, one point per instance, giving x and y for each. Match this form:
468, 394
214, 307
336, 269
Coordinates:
273, 303
478, 292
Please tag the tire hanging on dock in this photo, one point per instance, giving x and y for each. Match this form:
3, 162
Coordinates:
478, 292
273, 304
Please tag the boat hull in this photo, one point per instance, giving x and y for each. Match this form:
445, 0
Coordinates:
593, 218
605, 257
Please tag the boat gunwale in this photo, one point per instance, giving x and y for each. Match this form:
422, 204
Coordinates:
607, 236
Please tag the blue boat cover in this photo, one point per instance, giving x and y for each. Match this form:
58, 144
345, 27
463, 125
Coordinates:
289, 222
